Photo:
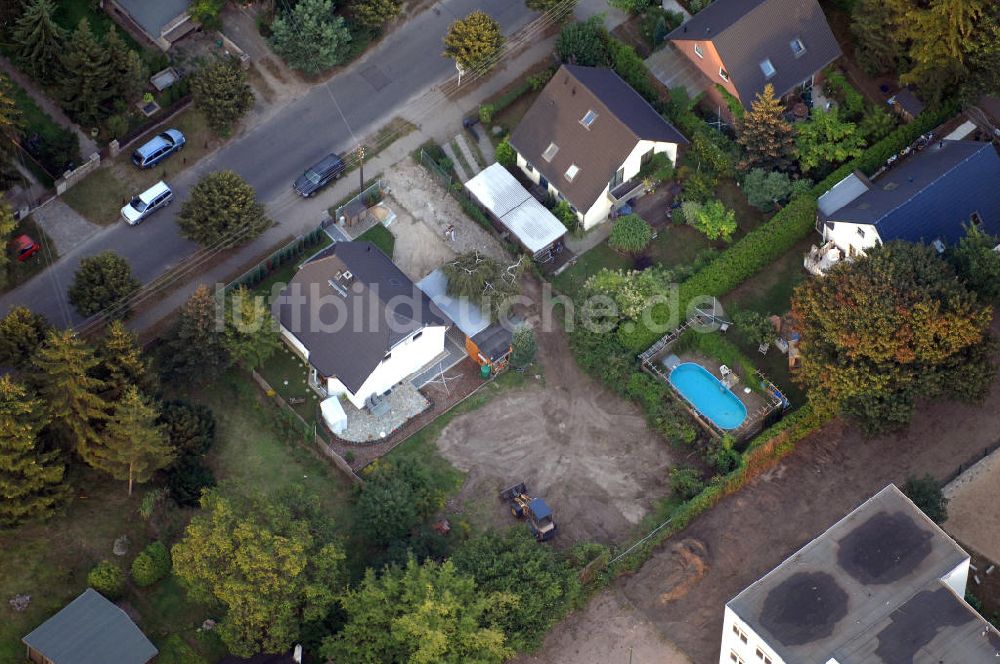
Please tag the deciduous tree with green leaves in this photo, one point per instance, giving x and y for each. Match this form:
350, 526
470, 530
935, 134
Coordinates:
86, 79
373, 14
251, 334
713, 219
583, 43
474, 42
765, 135
195, 350
889, 328
630, 234
222, 211
222, 93
309, 37
22, 331
484, 281
133, 446
271, 562
420, 613
826, 140
875, 27
66, 385
102, 284
31, 480
977, 263
39, 40
396, 497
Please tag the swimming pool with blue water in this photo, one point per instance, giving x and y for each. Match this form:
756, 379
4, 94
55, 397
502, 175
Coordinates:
708, 395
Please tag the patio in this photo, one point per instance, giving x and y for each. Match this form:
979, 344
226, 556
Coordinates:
403, 404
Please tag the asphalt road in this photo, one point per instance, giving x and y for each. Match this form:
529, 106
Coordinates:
331, 117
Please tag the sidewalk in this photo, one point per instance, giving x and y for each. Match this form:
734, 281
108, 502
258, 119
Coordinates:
87, 144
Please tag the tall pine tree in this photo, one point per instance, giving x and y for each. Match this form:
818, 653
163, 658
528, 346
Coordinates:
878, 43
121, 362
70, 392
126, 72
765, 135
10, 135
87, 78
134, 446
39, 40
22, 331
196, 350
31, 481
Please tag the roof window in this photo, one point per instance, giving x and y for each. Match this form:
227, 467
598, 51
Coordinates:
798, 48
550, 152
723, 74
589, 118
697, 51
572, 171
767, 68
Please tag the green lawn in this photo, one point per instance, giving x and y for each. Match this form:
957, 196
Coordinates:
381, 237
286, 367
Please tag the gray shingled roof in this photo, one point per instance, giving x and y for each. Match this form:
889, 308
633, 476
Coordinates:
623, 118
152, 15
747, 32
349, 331
931, 195
91, 630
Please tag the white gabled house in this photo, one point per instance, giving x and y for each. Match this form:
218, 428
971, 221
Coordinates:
932, 197
587, 136
359, 322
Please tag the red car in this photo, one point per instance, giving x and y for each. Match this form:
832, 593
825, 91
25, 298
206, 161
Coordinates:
25, 247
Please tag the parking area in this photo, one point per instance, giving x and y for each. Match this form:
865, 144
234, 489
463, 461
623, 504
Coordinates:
589, 453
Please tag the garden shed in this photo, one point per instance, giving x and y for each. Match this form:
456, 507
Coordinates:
513, 207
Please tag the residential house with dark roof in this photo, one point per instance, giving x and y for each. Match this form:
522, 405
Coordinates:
359, 322
161, 21
931, 197
89, 630
586, 138
743, 45
883, 585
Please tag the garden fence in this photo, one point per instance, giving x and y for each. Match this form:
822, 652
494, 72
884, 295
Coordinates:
289, 252
435, 168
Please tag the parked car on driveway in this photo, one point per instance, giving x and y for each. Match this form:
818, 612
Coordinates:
328, 169
158, 148
25, 247
158, 196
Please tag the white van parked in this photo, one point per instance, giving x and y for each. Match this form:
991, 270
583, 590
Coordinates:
158, 196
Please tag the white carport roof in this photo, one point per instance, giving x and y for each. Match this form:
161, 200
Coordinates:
466, 315
500, 193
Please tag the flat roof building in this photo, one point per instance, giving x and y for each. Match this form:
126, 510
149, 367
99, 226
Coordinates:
884, 585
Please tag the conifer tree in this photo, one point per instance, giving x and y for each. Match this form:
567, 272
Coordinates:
196, 349
7, 226
10, 135
133, 446
125, 67
39, 40
22, 331
765, 135
877, 41
121, 362
86, 81
31, 481
251, 335
70, 393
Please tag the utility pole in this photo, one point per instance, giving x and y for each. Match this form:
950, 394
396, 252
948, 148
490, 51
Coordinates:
361, 164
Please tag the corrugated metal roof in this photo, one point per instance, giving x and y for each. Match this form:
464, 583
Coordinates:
533, 225
91, 630
932, 195
464, 313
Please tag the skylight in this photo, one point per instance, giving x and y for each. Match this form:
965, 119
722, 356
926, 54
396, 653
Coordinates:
550, 152
572, 171
798, 48
767, 68
588, 119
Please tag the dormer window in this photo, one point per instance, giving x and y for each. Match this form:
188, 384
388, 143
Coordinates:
697, 51
588, 119
767, 68
572, 171
798, 48
723, 74
976, 220
550, 152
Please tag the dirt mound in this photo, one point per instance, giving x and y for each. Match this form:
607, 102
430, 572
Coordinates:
684, 568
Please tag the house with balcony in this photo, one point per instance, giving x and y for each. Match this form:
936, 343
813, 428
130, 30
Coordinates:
742, 45
932, 196
586, 138
361, 325
883, 584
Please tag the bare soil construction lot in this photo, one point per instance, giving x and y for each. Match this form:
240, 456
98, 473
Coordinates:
587, 452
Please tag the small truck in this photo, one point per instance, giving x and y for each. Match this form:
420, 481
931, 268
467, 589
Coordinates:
535, 511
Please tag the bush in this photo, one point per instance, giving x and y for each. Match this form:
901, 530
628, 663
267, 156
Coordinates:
661, 408
627, 64
685, 483
506, 155
189, 427
630, 234
187, 479
486, 113
583, 43
108, 579
722, 457
523, 347
754, 326
151, 565
564, 213
699, 187
764, 189
631, 6
713, 219
925, 492
657, 169
852, 103
56, 149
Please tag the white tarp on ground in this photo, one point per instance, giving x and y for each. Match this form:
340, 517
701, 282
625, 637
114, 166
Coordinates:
527, 219
465, 314
333, 414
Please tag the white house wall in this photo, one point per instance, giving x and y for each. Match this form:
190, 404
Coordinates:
406, 358
846, 237
746, 652
293, 341
601, 207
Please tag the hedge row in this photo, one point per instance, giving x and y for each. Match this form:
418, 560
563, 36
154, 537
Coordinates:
765, 244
